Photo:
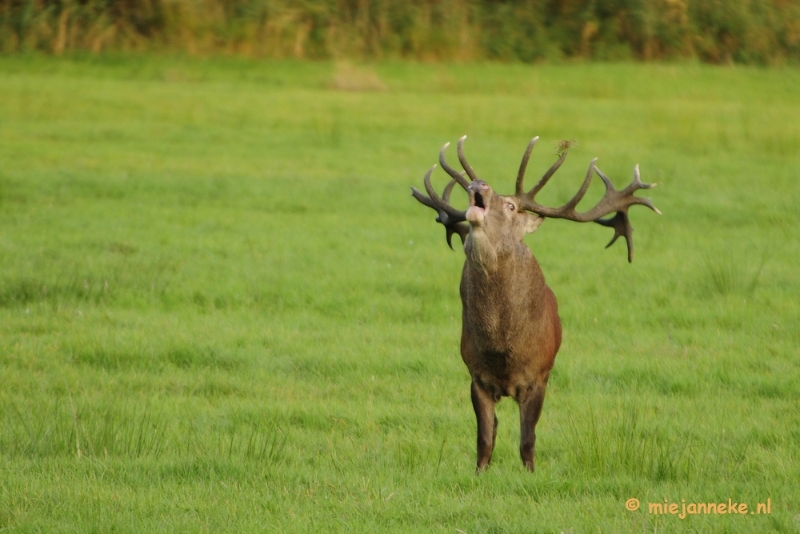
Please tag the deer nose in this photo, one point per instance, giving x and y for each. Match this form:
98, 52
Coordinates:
478, 186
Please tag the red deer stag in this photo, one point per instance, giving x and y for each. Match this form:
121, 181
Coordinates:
510, 327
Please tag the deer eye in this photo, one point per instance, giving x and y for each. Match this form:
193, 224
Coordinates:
511, 206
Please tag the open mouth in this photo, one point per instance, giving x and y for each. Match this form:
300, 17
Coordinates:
477, 208
479, 199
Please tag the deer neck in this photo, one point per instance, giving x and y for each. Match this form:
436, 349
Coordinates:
500, 255
504, 270
481, 252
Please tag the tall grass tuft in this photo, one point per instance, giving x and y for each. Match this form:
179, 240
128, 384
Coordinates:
67, 427
726, 275
64, 428
631, 442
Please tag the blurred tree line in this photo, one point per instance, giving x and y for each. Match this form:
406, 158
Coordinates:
717, 31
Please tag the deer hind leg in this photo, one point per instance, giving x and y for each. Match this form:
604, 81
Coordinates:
530, 408
483, 403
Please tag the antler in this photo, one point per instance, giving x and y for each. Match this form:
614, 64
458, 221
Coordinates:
612, 200
451, 218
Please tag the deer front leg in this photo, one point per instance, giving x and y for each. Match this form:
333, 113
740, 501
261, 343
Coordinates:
530, 408
483, 403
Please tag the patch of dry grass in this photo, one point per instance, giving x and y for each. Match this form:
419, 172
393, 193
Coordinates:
351, 77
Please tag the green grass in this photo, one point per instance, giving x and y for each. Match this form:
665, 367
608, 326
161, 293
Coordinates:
222, 311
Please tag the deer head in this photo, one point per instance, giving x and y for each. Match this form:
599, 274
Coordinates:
497, 224
503, 219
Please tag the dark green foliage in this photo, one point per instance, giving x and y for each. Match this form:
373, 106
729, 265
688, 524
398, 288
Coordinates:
716, 31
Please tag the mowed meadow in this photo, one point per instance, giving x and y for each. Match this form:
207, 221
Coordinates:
221, 310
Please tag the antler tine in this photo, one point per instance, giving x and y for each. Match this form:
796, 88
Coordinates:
606, 181
457, 176
524, 165
457, 228
570, 205
451, 218
447, 190
627, 193
463, 159
422, 198
546, 176
637, 184
621, 224
439, 202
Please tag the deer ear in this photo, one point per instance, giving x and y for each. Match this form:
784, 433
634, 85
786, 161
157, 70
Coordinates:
532, 222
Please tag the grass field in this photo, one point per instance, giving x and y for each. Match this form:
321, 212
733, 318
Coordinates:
222, 311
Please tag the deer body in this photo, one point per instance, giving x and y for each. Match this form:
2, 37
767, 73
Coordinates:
510, 327
511, 331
